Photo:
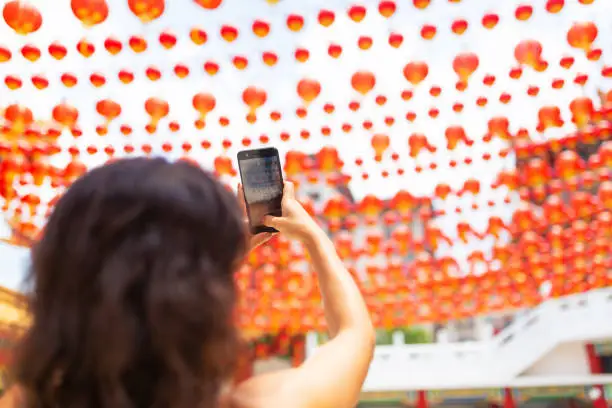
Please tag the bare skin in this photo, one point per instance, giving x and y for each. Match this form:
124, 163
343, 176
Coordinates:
333, 377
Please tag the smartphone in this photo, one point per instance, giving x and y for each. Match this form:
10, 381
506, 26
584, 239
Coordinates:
262, 184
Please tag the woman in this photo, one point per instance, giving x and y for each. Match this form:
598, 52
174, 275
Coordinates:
133, 300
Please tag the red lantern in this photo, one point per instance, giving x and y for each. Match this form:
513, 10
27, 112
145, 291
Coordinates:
363, 82
308, 90
209, 4
454, 135
416, 72
380, 143
417, 142
254, 98
19, 118
549, 117
157, 109
568, 164
22, 17
529, 52
147, 10
465, 64
109, 109
90, 12
204, 103
582, 111
582, 35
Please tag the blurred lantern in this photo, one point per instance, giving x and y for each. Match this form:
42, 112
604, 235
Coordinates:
326, 18
204, 103
568, 164
582, 35
403, 202
22, 17
454, 135
498, 126
549, 117
65, 115
529, 52
465, 64
370, 206
336, 207
357, 13
363, 82
147, 10
490, 20
417, 142
582, 111
157, 110
208, 4
380, 143
308, 90
328, 160
223, 166
90, 12
416, 72
18, 117
109, 109
605, 194
254, 98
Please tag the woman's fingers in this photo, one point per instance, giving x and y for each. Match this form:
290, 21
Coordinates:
240, 193
289, 190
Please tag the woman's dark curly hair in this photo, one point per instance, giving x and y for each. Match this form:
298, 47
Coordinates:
133, 291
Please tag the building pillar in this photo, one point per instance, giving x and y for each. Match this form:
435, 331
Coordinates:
422, 399
595, 368
509, 398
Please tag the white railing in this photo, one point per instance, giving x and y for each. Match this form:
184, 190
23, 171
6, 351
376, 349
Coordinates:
582, 317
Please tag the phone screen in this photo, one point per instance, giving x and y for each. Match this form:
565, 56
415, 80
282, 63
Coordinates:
263, 188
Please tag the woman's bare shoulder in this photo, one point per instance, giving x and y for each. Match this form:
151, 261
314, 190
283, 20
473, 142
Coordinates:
268, 390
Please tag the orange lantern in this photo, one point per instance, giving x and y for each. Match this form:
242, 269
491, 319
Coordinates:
454, 135
208, 4
498, 126
549, 117
582, 35
109, 109
380, 143
363, 82
465, 64
416, 72
223, 166
582, 111
370, 206
605, 194
337, 207
19, 118
254, 98
529, 52
308, 90
22, 17
147, 10
90, 12
328, 159
204, 103
417, 142
568, 164
157, 110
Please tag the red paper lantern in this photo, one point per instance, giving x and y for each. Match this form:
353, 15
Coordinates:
22, 17
90, 12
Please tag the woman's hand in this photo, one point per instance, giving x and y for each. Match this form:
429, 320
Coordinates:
295, 222
254, 240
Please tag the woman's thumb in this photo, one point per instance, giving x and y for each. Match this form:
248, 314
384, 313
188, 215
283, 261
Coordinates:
271, 221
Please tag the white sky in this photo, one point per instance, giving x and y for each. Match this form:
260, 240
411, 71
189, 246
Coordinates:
494, 47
